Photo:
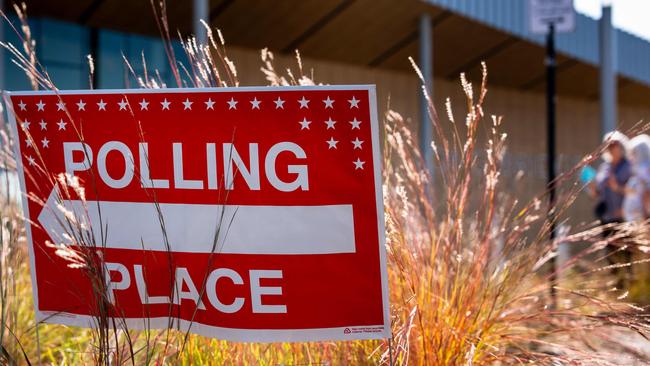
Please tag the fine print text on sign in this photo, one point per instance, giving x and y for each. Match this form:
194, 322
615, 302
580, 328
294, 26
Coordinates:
543, 13
270, 200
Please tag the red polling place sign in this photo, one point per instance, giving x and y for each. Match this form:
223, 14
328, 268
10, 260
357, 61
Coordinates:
270, 199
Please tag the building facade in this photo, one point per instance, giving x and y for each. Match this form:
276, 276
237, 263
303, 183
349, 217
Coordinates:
368, 42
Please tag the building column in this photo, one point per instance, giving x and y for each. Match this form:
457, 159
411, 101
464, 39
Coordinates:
426, 66
200, 12
3, 83
607, 53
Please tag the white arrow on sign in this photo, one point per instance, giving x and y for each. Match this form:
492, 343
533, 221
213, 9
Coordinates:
326, 229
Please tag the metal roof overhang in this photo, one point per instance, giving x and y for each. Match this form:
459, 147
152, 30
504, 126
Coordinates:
376, 33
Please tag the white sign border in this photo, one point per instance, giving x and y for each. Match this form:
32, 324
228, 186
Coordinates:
230, 334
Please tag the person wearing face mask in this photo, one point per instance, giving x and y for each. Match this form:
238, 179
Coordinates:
608, 189
636, 210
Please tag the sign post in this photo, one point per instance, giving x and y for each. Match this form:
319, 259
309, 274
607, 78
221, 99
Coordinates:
551, 99
548, 17
246, 214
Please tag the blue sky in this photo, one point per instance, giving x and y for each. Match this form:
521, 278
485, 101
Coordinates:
630, 15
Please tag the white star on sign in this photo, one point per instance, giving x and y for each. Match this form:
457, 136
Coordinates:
304, 124
26, 124
43, 125
61, 124
31, 160
165, 104
255, 104
232, 103
123, 103
358, 164
279, 103
355, 124
144, 105
40, 105
357, 143
22, 105
304, 103
45, 142
329, 103
101, 105
332, 143
60, 105
187, 104
330, 123
209, 104
81, 105
354, 102
28, 142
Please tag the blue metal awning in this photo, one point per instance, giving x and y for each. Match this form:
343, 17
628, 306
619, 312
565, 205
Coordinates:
633, 53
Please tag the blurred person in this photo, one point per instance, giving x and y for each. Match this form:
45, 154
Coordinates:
636, 202
636, 210
608, 188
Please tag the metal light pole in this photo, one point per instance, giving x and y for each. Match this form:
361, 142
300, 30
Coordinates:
550, 17
550, 141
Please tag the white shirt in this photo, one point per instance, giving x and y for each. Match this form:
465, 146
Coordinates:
633, 205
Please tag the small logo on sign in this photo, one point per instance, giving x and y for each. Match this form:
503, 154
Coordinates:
347, 331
